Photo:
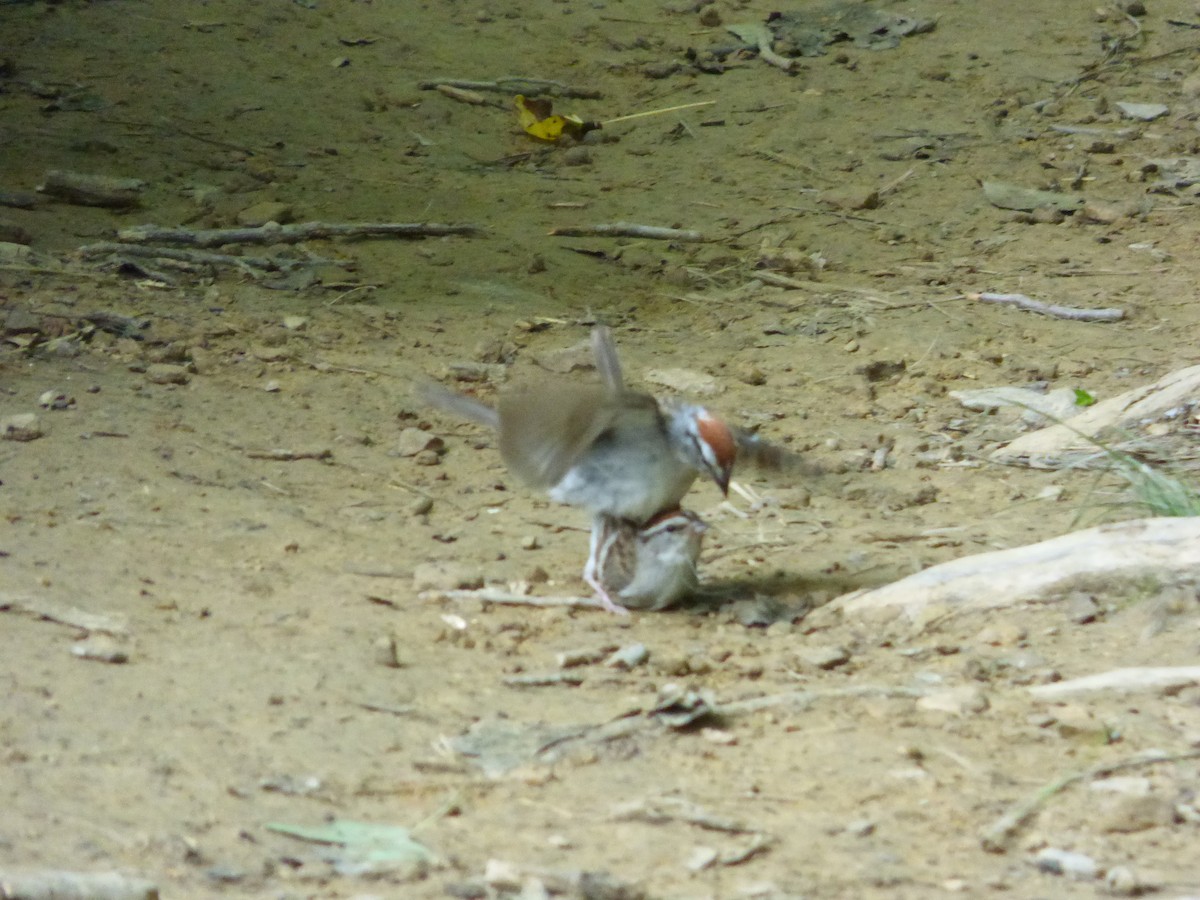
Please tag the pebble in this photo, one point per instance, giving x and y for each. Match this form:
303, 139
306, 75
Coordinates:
860, 828
167, 373
628, 657
415, 440
295, 323
959, 701
1082, 608
102, 648
21, 427
56, 400
1077, 722
822, 657
569, 659
268, 211
1130, 814
530, 542
446, 576
577, 156
1001, 634
1130, 785
1065, 862
751, 374
686, 381
1122, 881
701, 858
385, 651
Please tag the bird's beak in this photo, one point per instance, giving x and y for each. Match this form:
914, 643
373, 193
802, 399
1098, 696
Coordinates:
722, 479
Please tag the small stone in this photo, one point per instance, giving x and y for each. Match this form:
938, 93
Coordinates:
1129, 814
628, 657
1129, 785
1078, 723
167, 373
851, 198
446, 576
21, 321
959, 701
860, 828
577, 156
261, 213
101, 648
271, 387
421, 506
686, 381
1122, 881
701, 858
21, 427
270, 353
428, 458
415, 440
56, 400
1065, 862
751, 374
530, 542
1143, 112
1001, 634
1082, 608
385, 652
295, 323
822, 657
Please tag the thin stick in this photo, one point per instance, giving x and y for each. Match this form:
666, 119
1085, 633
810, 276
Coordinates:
199, 257
512, 85
657, 112
490, 595
628, 229
1059, 312
996, 837
274, 233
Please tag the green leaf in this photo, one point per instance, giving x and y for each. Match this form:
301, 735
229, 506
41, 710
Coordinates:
364, 847
1083, 398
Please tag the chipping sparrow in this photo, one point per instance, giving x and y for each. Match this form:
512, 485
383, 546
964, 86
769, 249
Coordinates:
650, 566
616, 453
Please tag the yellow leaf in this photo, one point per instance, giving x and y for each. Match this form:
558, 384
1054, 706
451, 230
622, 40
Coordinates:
538, 120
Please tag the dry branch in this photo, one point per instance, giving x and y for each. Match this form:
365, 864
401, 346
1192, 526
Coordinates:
274, 233
997, 836
628, 229
1162, 549
1048, 309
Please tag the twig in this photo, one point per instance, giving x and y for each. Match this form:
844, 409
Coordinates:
997, 836
657, 112
895, 183
463, 95
513, 85
274, 233
1059, 312
491, 595
199, 257
291, 455
628, 229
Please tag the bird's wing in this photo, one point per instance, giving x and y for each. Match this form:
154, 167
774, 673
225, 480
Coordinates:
445, 399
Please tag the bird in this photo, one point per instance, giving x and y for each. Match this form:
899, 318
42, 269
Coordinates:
615, 453
650, 566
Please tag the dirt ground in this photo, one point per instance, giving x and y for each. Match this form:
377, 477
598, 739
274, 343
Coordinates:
255, 595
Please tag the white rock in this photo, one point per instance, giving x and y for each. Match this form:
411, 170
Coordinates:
1145, 112
1064, 862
